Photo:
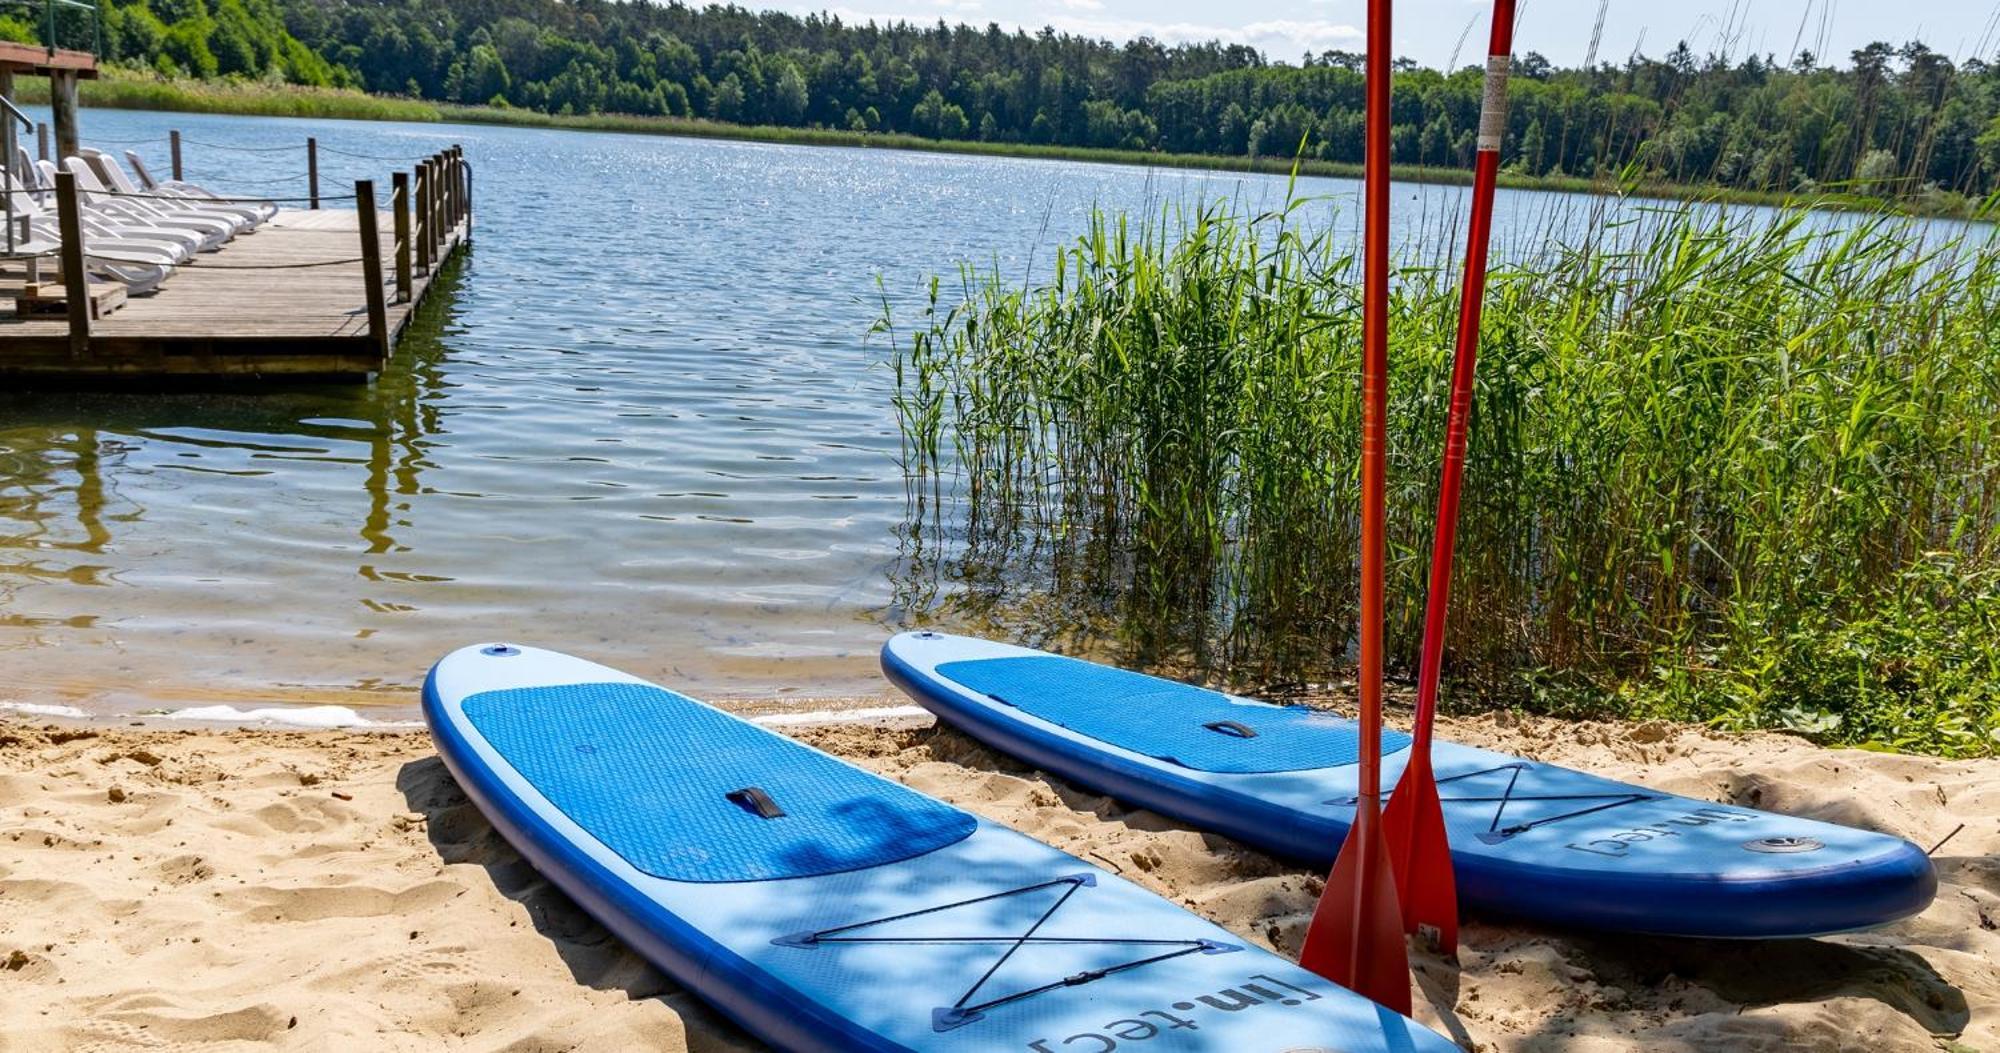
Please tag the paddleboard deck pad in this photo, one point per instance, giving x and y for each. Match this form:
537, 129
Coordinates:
1527, 839
823, 907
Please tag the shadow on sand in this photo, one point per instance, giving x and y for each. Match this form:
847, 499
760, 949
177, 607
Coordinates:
596, 958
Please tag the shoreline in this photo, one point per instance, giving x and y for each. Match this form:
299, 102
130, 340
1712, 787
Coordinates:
244, 715
326, 889
121, 90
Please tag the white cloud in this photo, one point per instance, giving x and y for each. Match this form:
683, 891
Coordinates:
1284, 39
1315, 36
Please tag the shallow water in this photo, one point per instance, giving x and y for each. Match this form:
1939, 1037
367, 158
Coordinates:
645, 422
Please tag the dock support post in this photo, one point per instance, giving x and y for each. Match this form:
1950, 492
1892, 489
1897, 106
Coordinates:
468, 202
422, 213
7, 89
62, 107
7, 145
438, 231
174, 144
312, 170
41, 140
426, 189
76, 284
371, 265
399, 206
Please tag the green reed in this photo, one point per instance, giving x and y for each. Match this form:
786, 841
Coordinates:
1723, 466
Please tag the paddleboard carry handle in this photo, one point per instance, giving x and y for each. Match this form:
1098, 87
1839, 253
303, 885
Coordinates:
753, 799
1231, 728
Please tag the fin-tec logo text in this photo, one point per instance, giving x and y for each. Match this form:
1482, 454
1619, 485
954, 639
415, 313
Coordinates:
1621, 842
1149, 1024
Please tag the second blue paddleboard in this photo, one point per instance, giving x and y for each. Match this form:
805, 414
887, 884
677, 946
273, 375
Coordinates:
1527, 838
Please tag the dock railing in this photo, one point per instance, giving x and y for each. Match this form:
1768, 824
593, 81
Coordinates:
443, 212
311, 169
428, 208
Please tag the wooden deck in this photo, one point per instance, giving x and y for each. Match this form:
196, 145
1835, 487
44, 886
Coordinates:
248, 310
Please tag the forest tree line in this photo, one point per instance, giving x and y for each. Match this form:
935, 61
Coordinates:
1884, 119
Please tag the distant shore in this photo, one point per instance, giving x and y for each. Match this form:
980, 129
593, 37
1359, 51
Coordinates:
127, 91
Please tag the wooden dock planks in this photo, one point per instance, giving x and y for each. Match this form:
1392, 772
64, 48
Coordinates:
251, 309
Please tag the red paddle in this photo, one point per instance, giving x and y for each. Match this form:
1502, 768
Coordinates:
1356, 936
1414, 822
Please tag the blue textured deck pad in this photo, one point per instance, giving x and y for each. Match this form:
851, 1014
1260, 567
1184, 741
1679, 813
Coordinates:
648, 773
1165, 719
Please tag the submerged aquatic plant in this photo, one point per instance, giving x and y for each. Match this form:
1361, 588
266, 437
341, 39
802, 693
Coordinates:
1729, 465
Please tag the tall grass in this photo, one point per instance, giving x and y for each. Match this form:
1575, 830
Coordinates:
126, 90
1724, 466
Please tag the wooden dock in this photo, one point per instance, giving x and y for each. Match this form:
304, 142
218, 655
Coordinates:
289, 300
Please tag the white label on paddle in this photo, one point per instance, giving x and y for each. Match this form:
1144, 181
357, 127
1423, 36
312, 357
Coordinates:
1493, 108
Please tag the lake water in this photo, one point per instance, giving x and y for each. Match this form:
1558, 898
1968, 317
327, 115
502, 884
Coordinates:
647, 424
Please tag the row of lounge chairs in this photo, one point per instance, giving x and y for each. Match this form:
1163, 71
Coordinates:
134, 233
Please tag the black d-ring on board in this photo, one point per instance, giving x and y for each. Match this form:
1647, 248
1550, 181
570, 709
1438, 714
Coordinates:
1231, 728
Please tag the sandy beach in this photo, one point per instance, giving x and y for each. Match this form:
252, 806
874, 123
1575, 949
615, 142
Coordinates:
240, 889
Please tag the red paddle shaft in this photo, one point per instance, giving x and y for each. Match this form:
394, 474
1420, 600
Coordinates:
1356, 936
1415, 820
1374, 400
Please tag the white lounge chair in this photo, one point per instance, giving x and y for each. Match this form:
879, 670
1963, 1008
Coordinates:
113, 177
91, 192
246, 216
138, 277
131, 264
175, 245
24, 167
264, 209
41, 175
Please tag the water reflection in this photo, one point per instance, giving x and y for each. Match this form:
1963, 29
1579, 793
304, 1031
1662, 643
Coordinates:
136, 554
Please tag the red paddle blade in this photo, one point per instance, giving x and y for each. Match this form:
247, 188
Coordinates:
1420, 852
1356, 936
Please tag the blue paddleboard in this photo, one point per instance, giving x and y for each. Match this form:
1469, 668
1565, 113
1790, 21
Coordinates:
1527, 839
826, 908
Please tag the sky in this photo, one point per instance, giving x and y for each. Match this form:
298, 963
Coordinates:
1430, 31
